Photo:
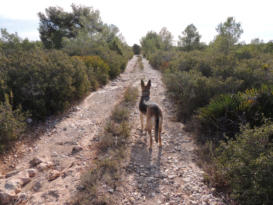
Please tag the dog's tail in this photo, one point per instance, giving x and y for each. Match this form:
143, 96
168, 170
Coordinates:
158, 122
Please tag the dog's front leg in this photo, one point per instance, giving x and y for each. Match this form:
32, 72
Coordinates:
141, 121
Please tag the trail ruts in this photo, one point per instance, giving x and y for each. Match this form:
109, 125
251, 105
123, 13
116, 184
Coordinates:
166, 175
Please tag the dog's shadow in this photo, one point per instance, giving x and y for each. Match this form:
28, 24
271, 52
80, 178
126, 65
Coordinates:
145, 165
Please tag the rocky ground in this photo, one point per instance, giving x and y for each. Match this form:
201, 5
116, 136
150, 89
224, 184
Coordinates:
166, 175
49, 173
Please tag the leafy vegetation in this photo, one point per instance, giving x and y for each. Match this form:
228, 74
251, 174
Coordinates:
246, 165
224, 91
77, 54
12, 123
190, 39
136, 49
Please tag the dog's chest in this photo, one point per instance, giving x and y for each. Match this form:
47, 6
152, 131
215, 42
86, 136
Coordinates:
142, 108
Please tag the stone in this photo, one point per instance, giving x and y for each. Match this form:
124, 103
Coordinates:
44, 166
171, 176
31, 172
29, 120
54, 193
6, 198
36, 187
25, 180
12, 173
53, 174
21, 198
76, 149
35, 161
81, 187
13, 184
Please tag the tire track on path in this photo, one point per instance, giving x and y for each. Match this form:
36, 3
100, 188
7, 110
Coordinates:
162, 176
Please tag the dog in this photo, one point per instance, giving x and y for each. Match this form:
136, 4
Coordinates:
152, 112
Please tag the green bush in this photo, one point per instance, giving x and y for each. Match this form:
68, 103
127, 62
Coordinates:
12, 123
160, 59
97, 70
194, 60
246, 164
45, 82
136, 49
191, 90
224, 114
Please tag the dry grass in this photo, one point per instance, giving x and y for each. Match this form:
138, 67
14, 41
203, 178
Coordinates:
110, 150
130, 95
140, 63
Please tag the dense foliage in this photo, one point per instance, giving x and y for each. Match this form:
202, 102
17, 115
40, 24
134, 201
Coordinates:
56, 24
136, 49
246, 164
77, 54
12, 123
218, 88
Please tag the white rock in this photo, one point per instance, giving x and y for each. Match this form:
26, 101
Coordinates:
44, 166
29, 120
53, 174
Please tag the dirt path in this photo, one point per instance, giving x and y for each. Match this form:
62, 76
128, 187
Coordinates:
161, 176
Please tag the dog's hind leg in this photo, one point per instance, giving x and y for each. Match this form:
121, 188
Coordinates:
151, 139
148, 128
159, 132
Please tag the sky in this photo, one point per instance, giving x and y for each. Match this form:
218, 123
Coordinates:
136, 18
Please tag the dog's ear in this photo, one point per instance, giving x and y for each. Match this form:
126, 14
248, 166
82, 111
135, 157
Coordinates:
149, 84
142, 84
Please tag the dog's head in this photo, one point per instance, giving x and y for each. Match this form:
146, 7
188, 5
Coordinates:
145, 89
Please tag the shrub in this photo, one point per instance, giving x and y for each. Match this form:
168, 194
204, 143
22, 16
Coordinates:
160, 59
12, 123
190, 90
97, 70
246, 164
136, 49
130, 95
116, 62
45, 82
224, 114
196, 60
